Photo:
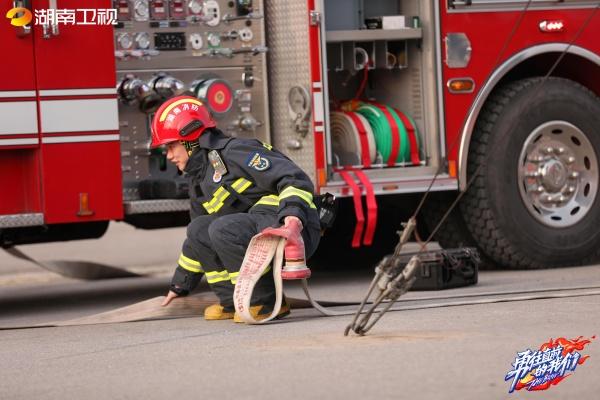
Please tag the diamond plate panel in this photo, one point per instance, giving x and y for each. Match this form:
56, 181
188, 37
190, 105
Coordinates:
21, 220
156, 206
289, 51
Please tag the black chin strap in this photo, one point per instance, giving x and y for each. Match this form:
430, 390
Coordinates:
190, 146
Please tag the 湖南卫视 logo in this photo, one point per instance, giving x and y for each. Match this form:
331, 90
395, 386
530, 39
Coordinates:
19, 16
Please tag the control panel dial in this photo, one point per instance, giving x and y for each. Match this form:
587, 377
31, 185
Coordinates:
216, 93
196, 41
124, 41
142, 40
246, 35
195, 7
214, 40
141, 10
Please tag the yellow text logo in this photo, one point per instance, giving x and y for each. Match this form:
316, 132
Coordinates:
22, 20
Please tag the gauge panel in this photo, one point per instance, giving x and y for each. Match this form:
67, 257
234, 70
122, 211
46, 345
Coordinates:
163, 48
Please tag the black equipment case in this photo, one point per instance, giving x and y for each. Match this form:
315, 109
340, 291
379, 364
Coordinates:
446, 269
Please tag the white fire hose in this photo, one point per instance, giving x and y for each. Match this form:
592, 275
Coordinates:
270, 247
262, 250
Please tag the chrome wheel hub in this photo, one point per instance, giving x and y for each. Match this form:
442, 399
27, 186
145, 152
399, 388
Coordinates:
558, 174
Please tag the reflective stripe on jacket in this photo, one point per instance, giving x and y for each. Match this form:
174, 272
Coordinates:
258, 179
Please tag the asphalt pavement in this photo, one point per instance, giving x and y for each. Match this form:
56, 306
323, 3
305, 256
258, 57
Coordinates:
440, 349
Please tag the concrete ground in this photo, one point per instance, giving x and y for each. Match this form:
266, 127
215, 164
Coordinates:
433, 353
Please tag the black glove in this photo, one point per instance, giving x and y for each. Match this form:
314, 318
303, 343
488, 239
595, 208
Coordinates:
184, 281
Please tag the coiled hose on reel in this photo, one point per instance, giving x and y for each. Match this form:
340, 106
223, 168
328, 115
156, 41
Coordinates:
383, 130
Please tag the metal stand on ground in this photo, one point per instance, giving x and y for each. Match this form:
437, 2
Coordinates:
392, 279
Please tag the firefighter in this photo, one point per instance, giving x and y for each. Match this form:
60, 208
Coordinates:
238, 187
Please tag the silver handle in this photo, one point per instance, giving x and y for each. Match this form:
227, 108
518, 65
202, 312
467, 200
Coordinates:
50, 26
46, 31
26, 29
254, 50
54, 23
227, 52
252, 15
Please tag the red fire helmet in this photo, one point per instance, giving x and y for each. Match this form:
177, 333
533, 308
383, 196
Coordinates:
180, 118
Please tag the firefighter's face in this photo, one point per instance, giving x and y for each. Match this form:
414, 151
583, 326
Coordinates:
177, 154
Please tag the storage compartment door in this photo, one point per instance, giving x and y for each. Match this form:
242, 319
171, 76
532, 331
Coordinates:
74, 58
19, 138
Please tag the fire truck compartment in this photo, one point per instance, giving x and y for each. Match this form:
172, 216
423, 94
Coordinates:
307, 99
381, 83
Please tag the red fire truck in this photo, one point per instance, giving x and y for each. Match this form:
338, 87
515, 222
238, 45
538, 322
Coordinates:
381, 100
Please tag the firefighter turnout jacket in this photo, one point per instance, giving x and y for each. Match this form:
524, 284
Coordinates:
230, 178
230, 175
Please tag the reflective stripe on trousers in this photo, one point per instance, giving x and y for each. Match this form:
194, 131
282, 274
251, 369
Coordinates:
222, 276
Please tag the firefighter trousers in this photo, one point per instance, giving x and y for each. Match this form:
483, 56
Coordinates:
219, 244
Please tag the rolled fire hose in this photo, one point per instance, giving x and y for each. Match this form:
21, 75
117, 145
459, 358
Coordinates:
413, 137
383, 128
353, 144
380, 128
418, 137
404, 154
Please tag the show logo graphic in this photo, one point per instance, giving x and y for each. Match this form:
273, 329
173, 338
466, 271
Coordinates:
554, 361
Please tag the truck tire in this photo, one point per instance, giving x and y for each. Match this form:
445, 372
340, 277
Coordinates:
534, 202
453, 233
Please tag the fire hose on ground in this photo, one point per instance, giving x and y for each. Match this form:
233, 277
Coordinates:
192, 306
392, 280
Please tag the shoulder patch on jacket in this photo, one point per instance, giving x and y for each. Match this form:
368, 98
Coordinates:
258, 162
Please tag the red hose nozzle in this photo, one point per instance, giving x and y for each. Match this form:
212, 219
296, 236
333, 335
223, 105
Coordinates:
295, 260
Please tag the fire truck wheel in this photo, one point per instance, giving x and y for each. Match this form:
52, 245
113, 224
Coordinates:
534, 200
